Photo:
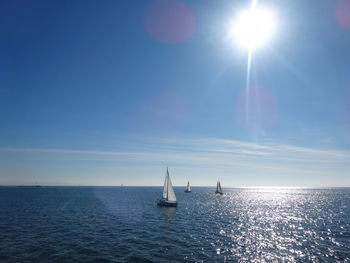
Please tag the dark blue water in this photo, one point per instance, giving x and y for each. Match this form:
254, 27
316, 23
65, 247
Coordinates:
113, 224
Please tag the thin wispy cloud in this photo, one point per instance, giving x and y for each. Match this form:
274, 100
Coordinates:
201, 149
198, 156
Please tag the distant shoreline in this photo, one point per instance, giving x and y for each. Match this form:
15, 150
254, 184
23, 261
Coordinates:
179, 186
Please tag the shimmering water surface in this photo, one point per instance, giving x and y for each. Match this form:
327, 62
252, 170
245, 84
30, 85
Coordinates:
114, 224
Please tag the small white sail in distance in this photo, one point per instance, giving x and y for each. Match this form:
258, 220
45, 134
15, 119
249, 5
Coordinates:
188, 188
168, 190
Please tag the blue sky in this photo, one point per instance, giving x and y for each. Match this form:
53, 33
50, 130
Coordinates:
90, 95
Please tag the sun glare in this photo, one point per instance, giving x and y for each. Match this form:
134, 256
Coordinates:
254, 27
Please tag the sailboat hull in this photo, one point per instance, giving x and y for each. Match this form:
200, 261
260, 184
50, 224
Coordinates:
216, 192
188, 191
166, 203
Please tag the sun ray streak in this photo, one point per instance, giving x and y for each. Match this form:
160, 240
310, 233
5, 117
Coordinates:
254, 3
249, 63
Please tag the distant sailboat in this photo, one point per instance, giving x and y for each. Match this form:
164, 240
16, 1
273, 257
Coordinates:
188, 188
169, 197
218, 188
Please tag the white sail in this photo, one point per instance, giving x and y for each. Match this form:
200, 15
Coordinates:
168, 191
188, 187
165, 189
219, 186
171, 193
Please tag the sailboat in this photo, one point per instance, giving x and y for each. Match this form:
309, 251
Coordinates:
218, 188
169, 197
188, 188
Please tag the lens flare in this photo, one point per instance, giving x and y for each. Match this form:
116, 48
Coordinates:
343, 14
262, 107
170, 22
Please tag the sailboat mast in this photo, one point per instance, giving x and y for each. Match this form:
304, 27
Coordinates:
167, 184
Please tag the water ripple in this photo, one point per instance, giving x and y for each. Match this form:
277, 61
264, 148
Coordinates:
112, 224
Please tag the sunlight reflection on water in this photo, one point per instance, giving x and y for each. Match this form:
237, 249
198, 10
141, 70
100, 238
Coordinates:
125, 224
279, 224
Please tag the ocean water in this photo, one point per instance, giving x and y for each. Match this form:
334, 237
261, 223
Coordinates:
115, 224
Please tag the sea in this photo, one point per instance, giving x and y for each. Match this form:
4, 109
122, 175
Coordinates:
124, 224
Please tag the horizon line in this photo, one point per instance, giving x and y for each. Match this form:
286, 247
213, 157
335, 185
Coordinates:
204, 186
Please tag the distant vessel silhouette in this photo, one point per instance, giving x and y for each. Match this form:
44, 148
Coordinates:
188, 188
218, 188
36, 185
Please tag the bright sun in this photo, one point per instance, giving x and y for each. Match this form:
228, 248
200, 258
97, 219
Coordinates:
254, 27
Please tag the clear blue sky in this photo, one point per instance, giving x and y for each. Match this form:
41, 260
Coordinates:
91, 94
